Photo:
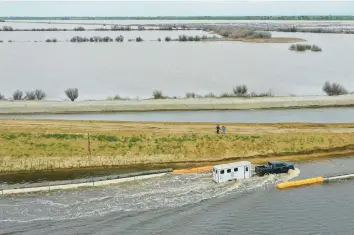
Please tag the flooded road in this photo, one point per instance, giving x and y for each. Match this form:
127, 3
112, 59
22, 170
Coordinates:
190, 204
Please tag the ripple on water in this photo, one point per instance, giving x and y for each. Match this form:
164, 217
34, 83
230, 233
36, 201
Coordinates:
162, 192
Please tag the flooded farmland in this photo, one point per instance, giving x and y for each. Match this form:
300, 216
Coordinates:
133, 69
182, 204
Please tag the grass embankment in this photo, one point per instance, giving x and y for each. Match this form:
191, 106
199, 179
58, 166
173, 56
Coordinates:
45, 145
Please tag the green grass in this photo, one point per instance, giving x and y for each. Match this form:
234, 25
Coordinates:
55, 147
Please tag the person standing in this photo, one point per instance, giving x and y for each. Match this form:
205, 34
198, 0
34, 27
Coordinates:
223, 130
217, 129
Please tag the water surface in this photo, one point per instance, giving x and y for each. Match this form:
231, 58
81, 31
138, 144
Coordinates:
314, 115
135, 69
190, 204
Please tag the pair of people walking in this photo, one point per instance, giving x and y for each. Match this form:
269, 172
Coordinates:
223, 129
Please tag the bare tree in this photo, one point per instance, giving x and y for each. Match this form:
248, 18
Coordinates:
157, 94
40, 95
240, 90
72, 93
2, 97
191, 95
333, 89
30, 95
17, 95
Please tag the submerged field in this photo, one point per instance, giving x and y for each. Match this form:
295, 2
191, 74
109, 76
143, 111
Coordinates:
45, 145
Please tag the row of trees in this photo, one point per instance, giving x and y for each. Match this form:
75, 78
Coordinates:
38, 94
331, 89
181, 38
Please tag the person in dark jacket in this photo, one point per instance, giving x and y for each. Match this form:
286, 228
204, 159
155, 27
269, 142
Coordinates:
217, 129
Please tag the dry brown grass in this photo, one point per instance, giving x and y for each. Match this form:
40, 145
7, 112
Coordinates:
45, 144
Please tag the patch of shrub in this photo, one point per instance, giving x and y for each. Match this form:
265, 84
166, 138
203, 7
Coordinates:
79, 39
240, 90
167, 39
210, 95
72, 93
191, 38
2, 97
7, 28
116, 97
119, 38
191, 95
17, 95
106, 138
226, 95
166, 28
157, 94
304, 47
159, 39
334, 89
107, 39
316, 48
63, 136
80, 28
262, 94
139, 39
183, 38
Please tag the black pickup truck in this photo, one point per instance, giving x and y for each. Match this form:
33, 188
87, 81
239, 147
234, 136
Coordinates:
274, 167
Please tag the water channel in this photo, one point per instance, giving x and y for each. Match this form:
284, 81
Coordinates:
314, 115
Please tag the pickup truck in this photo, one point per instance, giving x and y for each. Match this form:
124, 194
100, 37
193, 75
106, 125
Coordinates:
274, 167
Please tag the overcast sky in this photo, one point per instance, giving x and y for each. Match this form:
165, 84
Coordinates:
174, 8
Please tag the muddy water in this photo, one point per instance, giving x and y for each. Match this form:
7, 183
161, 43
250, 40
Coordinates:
190, 204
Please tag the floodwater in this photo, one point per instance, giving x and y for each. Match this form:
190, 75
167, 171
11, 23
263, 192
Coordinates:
314, 115
133, 69
190, 204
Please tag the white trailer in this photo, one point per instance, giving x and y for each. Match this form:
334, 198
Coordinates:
232, 171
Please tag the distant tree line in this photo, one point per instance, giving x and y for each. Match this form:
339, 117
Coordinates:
112, 28
329, 88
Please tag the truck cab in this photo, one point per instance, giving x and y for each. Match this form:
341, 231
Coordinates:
274, 167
